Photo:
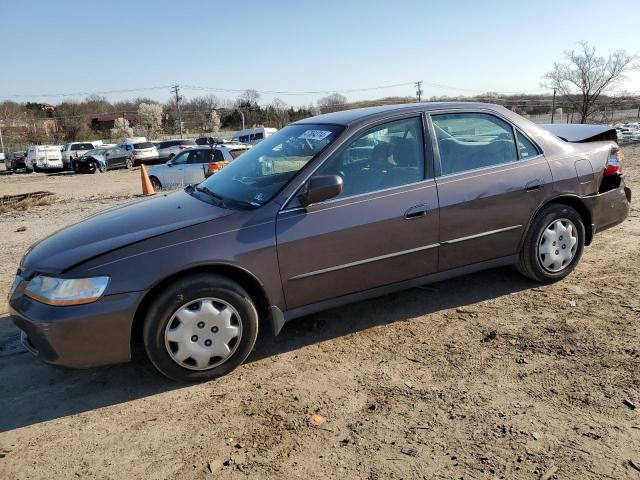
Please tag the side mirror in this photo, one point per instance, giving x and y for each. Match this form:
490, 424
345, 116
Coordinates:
320, 188
169, 163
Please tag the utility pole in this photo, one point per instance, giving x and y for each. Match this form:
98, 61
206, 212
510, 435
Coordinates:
176, 89
553, 106
2, 143
418, 86
241, 115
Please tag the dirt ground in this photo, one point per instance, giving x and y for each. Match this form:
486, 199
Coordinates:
407, 384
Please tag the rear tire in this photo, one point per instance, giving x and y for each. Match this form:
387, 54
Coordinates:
198, 334
553, 245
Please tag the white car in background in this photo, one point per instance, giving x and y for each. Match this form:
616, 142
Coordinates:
74, 150
253, 135
141, 150
191, 165
43, 157
167, 149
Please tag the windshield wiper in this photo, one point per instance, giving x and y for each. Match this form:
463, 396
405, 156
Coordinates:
211, 193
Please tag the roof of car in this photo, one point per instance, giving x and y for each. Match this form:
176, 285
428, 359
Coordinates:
347, 117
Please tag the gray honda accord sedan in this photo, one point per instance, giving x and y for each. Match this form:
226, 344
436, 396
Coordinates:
329, 210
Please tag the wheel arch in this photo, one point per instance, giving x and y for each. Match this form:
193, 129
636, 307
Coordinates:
572, 201
243, 277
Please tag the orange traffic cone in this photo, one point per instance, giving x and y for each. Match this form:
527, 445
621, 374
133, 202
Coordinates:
147, 188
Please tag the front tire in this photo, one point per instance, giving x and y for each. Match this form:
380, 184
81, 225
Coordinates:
200, 328
554, 244
155, 183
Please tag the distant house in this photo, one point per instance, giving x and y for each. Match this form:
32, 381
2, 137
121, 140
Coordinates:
107, 120
47, 107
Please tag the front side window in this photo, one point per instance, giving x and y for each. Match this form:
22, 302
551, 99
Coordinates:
180, 159
259, 173
386, 156
467, 141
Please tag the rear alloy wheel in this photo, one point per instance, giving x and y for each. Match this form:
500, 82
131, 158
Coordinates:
553, 245
200, 328
128, 163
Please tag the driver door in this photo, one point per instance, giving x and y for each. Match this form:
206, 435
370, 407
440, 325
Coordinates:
174, 170
382, 228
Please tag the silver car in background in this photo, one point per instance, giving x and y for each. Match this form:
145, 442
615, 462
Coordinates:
168, 149
191, 166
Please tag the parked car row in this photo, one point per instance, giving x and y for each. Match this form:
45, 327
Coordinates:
628, 132
96, 156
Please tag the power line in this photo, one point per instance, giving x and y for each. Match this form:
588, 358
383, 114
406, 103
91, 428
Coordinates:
79, 94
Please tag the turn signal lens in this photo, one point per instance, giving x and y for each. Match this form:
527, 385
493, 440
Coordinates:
66, 291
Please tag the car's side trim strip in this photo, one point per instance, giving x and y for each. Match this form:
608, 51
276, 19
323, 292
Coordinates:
362, 262
478, 235
402, 252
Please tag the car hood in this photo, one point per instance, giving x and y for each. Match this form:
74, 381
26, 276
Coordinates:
117, 228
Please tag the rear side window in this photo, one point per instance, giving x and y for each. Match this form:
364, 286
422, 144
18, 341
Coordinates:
142, 145
163, 145
186, 142
467, 141
526, 148
237, 152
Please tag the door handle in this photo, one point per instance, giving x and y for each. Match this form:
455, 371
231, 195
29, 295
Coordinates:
533, 185
416, 212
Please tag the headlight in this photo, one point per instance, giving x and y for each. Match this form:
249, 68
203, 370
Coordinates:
66, 291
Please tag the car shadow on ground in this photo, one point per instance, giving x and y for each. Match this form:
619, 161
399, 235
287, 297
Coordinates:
32, 392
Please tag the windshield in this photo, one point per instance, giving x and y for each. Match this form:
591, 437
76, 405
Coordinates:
259, 173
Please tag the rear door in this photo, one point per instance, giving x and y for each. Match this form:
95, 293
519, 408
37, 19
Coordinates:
382, 229
491, 179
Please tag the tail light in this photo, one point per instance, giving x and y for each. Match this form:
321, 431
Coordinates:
614, 164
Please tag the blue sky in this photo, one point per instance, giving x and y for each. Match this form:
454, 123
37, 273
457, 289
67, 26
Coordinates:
69, 46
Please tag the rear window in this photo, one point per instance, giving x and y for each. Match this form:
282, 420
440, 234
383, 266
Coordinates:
82, 146
143, 145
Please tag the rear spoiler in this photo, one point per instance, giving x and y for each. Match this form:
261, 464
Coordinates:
579, 133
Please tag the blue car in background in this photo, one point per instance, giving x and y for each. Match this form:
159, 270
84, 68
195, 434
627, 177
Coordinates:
103, 159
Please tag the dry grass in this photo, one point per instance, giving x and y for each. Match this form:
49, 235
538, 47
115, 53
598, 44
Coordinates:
27, 203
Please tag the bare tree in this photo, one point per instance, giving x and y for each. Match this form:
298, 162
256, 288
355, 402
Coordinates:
249, 96
121, 129
584, 76
332, 103
278, 114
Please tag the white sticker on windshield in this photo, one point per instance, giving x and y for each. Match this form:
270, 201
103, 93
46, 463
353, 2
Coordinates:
315, 134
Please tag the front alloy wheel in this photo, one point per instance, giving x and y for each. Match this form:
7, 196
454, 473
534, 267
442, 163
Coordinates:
200, 327
203, 333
